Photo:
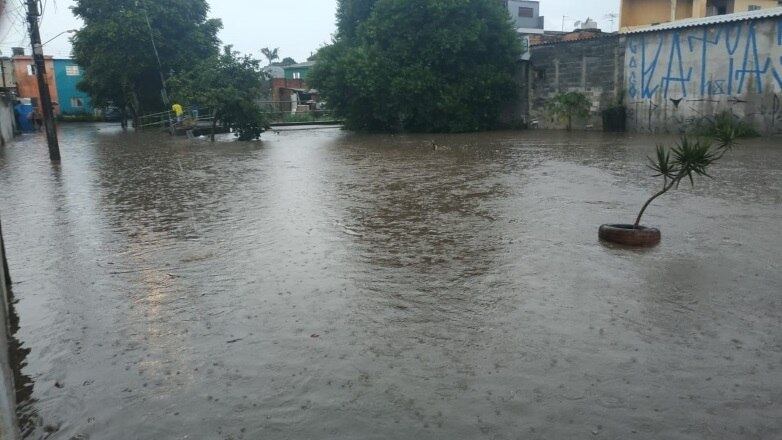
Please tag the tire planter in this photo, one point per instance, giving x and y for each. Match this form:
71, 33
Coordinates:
629, 235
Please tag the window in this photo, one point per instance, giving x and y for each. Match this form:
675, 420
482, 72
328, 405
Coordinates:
754, 8
296, 75
526, 12
77, 103
72, 70
31, 70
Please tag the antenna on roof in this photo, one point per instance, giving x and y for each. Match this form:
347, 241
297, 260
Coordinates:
612, 18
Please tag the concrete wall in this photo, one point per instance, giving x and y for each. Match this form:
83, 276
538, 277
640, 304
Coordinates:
678, 79
8, 424
593, 67
7, 121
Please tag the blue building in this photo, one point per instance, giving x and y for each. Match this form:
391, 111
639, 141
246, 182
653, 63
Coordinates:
67, 75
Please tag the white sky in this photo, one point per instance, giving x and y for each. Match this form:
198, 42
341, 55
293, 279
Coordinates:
297, 27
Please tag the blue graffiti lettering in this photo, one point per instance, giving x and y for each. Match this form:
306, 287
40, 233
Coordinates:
736, 41
716, 87
633, 46
705, 42
676, 52
647, 73
731, 66
751, 64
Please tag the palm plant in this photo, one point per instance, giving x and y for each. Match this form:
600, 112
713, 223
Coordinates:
271, 54
686, 160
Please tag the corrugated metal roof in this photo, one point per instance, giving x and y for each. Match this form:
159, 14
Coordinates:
717, 19
300, 65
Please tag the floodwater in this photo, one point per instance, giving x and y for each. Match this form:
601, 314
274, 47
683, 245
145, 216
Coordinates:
328, 285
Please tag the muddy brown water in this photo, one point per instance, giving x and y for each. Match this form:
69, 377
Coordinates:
328, 285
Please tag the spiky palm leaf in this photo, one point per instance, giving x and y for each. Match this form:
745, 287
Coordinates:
693, 158
662, 164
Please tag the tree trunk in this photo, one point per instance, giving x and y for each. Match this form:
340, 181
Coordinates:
666, 187
135, 108
214, 124
570, 122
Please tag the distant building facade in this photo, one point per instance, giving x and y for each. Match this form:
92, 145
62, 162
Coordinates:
26, 80
636, 13
525, 15
67, 75
8, 81
293, 85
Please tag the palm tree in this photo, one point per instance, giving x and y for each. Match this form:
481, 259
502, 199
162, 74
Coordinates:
687, 160
271, 54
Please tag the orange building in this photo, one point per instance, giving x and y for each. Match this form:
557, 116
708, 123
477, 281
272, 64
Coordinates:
635, 13
27, 81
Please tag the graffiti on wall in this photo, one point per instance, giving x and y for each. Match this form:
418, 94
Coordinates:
730, 59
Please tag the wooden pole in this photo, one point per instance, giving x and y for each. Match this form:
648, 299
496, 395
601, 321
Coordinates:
43, 86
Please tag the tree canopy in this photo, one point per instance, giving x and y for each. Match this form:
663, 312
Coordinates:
229, 86
350, 14
419, 65
115, 47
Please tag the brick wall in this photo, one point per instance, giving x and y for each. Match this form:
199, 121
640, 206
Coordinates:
594, 67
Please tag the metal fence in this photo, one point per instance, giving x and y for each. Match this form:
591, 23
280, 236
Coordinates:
276, 112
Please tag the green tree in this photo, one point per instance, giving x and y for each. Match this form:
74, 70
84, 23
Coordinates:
419, 65
115, 47
570, 105
287, 61
229, 85
350, 14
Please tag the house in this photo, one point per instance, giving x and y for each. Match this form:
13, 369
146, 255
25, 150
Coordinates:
635, 13
525, 15
298, 71
7, 81
27, 80
73, 102
292, 88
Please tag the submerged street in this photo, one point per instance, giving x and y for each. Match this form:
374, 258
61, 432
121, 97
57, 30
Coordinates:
322, 284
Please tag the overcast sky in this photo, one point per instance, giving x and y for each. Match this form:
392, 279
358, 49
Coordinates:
298, 27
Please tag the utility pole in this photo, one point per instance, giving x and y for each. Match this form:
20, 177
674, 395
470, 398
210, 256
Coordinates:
43, 87
163, 90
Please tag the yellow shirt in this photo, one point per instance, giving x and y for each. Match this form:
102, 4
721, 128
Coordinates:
178, 110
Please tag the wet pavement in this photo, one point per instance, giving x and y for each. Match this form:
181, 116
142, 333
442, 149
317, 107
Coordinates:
322, 284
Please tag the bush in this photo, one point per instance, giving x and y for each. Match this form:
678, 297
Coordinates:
726, 122
570, 105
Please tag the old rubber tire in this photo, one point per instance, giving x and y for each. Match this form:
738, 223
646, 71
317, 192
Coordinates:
629, 235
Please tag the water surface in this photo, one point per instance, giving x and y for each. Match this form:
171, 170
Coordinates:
322, 284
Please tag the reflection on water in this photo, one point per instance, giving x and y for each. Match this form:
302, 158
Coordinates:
321, 284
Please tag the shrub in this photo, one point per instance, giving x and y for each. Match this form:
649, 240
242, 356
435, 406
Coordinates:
570, 105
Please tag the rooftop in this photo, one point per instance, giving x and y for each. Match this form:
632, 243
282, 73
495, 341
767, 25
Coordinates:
300, 65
